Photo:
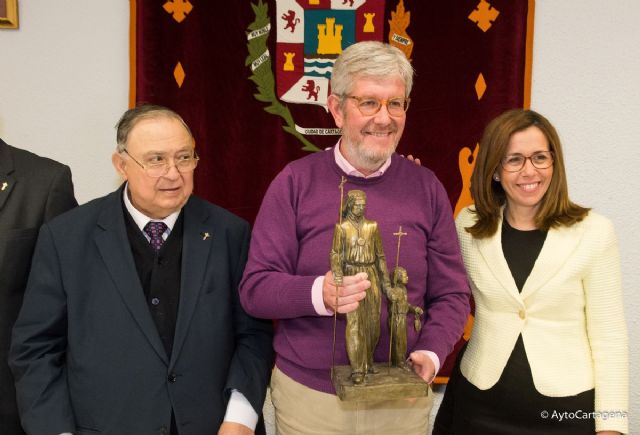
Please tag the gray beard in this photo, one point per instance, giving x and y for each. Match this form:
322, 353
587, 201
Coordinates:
361, 159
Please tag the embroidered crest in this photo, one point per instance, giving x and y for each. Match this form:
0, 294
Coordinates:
311, 34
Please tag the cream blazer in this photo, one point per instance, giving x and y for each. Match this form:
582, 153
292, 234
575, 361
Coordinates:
570, 314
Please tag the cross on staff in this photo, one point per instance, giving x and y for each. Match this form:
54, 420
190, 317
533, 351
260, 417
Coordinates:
399, 234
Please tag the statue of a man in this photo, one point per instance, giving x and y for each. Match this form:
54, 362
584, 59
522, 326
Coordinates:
357, 248
399, 307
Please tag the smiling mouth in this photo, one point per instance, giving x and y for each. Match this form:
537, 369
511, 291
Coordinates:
378, 133
529, 187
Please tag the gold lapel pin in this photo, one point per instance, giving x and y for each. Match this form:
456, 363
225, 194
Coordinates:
205, 236
4, 185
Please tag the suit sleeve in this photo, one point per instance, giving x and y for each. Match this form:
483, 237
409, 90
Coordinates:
252, 361
60, 198
39, 346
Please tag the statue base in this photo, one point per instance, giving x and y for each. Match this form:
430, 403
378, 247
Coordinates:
389, 383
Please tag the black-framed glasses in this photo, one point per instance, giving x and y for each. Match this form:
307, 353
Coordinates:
369, 106
515, 162
158, 165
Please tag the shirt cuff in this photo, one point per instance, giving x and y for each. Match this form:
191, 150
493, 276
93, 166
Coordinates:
239, 410
436, 362
316, 297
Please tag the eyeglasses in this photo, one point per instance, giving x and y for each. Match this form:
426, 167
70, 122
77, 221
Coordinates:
158, 165
369, 106
539, 160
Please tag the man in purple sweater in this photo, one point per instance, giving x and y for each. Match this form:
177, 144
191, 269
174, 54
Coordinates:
288, 273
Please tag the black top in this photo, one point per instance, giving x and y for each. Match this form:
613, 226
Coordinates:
521, 249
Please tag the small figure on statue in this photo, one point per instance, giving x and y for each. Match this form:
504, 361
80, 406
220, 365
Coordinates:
399, 307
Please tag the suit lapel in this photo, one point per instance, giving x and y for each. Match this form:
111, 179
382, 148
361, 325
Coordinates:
198, 235
7, 182
113, 244
557, 248
491, 250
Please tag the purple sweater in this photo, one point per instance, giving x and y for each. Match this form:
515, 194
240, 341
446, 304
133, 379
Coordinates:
290, 248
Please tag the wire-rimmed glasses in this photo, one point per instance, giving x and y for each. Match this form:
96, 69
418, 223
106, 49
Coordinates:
157, 165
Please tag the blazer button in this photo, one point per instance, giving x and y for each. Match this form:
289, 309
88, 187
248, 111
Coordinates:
172, 378
522, 314
163, 431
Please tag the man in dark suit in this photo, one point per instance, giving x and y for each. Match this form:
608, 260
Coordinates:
131, 322
33, 189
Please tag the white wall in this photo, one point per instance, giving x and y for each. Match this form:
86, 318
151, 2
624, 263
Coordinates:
64, 83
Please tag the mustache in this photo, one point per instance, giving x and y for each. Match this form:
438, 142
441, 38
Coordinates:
372, 127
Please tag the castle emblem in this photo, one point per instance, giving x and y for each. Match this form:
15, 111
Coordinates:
330, 37
311, 35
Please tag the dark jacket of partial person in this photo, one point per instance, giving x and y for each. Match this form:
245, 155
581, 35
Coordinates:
33, 190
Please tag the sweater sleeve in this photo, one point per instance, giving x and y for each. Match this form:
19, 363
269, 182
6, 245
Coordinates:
270, 287
447, 290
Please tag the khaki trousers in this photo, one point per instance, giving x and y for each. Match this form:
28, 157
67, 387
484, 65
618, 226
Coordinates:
300, 410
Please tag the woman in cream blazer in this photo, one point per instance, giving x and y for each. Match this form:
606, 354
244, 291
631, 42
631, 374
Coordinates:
548, 352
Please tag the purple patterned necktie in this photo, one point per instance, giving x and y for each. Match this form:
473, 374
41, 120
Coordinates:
155, 230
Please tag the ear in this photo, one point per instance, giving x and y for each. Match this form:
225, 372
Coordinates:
119, 164
333, 103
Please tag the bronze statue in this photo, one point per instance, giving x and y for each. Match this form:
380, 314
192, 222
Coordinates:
357, 248
398, 308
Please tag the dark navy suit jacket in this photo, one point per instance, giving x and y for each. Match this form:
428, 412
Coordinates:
86, 353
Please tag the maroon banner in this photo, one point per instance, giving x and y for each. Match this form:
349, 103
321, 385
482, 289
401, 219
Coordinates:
250, 78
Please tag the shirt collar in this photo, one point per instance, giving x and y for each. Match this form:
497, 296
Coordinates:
349, 169
141, 219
